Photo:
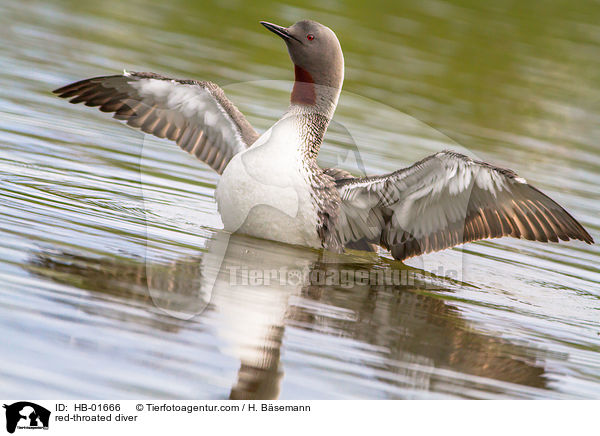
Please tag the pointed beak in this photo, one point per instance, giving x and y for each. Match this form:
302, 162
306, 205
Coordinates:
278, 30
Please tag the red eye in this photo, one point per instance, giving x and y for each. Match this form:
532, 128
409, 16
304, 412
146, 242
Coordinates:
310, 36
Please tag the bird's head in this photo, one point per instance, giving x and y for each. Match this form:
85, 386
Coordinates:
314, 50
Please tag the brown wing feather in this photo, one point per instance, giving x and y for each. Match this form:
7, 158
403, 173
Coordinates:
172, 111
500, 204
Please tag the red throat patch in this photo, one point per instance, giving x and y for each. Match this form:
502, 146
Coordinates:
304, 87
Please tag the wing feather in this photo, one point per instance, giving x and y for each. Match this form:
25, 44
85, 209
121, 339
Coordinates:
445, 200
196, 115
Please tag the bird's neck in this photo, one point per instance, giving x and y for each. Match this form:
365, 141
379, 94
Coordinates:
313, 104
315, 95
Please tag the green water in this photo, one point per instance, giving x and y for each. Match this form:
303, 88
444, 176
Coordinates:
116, 281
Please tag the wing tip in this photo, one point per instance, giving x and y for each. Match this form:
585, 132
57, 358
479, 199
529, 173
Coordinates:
72, 89
78, 87
63, 89
583, 234
587, 238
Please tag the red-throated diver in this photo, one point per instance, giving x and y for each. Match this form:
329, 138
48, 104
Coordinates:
271, 186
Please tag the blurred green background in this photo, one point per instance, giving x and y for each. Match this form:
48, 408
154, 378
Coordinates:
89, 207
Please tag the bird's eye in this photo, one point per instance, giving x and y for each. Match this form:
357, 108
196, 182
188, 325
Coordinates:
310, 36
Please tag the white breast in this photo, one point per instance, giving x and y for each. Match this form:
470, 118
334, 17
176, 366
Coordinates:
264, 191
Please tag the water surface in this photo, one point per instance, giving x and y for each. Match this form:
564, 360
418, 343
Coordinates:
118, 283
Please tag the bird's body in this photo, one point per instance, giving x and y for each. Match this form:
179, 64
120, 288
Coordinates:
271, 186
265, 191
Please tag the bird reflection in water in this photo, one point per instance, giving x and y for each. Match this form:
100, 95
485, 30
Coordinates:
254, 290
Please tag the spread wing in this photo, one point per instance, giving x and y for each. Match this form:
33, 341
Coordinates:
196, 115
445, 200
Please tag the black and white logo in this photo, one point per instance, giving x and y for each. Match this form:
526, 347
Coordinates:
26, 415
